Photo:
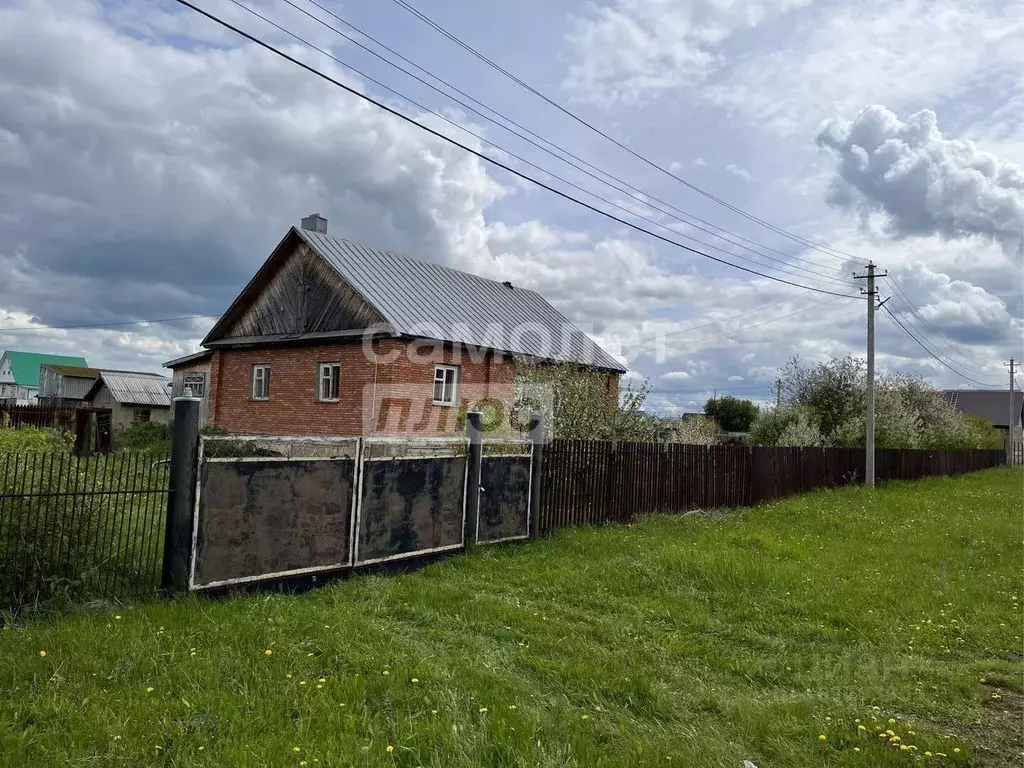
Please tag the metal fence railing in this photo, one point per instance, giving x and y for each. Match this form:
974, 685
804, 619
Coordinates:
87, 527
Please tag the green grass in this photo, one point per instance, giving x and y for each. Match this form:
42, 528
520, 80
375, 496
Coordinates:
686, 641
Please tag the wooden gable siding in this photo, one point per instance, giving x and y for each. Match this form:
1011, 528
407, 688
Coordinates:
304, 295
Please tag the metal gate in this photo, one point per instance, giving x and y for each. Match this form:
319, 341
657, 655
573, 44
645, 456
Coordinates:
272, 508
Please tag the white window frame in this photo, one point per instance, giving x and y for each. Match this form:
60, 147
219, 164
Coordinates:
190, 379
441, 377
329, 374
264, 379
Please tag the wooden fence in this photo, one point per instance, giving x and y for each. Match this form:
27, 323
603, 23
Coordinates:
37, 416
602, 482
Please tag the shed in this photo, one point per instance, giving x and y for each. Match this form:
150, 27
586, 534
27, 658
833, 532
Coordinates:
65, 384
133, 397
192, 371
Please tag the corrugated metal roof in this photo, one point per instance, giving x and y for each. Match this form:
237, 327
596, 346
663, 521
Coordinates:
194, 357
993, 404
74, 370
131, 388
424, 299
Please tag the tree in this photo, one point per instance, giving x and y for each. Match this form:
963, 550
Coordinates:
826, 404
583, 403
695, 430
731, 413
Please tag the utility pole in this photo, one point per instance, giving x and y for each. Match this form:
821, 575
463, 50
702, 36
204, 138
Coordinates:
1011, 422
869, 442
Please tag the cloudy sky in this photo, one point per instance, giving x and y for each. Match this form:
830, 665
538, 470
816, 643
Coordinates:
150, 160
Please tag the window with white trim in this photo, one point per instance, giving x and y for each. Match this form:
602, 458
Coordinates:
329, 379
446, 384
260, 382
196, 382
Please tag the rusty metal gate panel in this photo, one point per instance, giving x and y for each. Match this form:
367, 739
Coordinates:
412, 498
285, 508
504, 498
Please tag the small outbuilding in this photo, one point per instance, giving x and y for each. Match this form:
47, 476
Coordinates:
131, 396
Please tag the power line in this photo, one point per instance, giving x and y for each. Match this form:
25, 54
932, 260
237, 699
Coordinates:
486, 158
964, 359
825, 249
802, 272
105, 325
929, 351
580, 164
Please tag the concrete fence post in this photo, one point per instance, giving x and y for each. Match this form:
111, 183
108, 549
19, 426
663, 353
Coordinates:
538, 438
474, 423
180, 499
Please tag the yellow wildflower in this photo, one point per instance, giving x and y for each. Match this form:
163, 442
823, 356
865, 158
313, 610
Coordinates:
42, 653
268, 652
390, 749
822, 737
483, 709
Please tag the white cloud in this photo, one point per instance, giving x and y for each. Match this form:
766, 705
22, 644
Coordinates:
632, 50
735, 170
903, 54
922, 182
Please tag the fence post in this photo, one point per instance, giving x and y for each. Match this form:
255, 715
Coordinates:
537, 437
178, 532
474, 461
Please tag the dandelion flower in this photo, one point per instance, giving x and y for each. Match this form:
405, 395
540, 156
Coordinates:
322, 680
822, 737
414, 680
956, 750
433, 711
268, 652
42, 653
856, 749
390, 749
483, 709
149, 689
511, 706
288, 675
385, 673
296, 749
117, 618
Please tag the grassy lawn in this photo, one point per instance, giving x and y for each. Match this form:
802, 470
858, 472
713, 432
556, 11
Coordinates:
790, 635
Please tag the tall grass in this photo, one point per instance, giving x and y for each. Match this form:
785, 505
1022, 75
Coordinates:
77, 528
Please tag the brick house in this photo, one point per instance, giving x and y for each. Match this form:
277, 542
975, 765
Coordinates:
332, 337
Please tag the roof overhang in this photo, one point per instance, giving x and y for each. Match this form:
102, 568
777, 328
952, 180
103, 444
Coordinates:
301, 338
195, 357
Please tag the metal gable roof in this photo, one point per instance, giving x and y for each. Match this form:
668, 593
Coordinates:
133, 388
424, 299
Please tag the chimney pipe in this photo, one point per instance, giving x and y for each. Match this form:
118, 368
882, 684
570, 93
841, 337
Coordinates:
315, 223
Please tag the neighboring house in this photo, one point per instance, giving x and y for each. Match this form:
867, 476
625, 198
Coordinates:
132, 397
993, 404
332, 337
65, 385
19, 374
193, 371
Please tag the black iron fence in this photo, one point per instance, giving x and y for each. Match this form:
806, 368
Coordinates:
80, 527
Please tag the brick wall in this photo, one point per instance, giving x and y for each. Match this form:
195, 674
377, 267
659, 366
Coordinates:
386, 392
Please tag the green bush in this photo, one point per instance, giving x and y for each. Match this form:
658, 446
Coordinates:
34, 440
149, 436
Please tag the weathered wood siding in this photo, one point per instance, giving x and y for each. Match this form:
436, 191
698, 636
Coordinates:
122, 415
304, 295
178, 385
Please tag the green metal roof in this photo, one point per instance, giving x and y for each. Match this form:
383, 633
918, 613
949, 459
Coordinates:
25, 365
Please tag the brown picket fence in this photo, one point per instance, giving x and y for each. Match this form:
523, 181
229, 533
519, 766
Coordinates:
15, 416
604, 482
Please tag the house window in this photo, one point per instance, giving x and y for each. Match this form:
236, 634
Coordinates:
446, 384
260, 382
329, 378
197, 383
140, 415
